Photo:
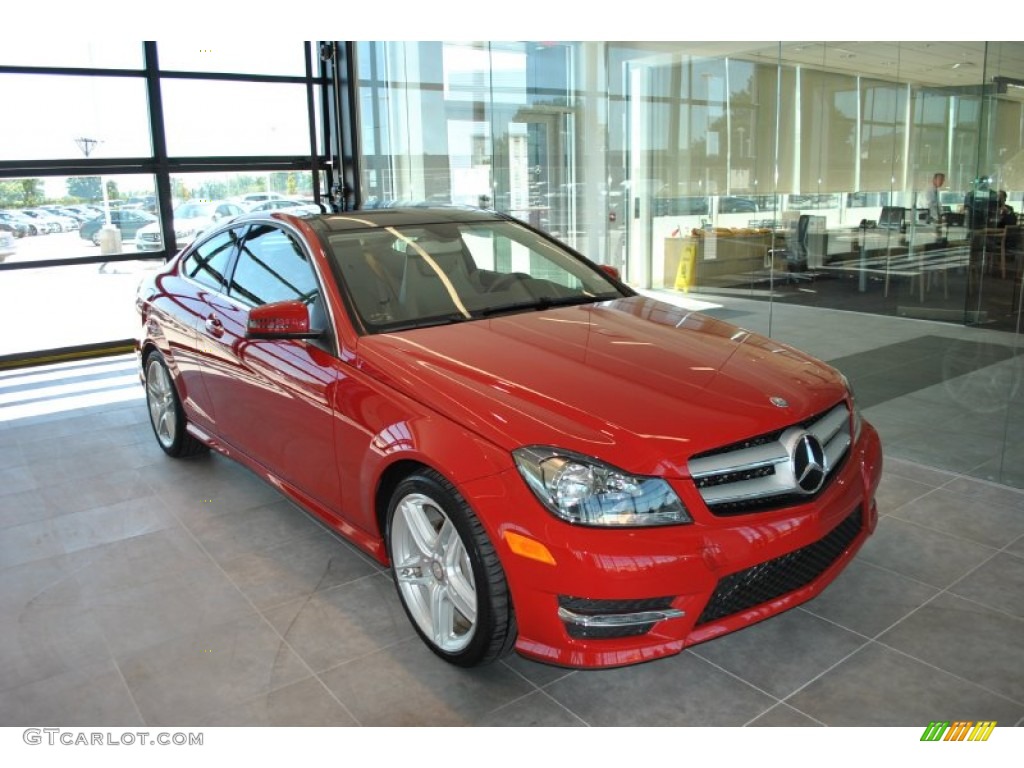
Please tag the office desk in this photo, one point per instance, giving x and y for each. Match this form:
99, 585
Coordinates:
916, 264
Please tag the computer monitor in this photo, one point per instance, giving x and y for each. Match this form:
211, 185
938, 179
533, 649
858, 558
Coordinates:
892, 217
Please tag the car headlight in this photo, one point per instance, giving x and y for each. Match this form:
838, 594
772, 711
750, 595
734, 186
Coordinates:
856, 418
582, 490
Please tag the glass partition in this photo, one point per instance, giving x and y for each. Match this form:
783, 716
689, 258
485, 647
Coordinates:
845, 197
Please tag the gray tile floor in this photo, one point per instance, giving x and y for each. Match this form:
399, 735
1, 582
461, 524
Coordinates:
139, 590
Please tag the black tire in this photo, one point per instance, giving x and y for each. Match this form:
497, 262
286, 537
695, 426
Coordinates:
427, 497
166, 415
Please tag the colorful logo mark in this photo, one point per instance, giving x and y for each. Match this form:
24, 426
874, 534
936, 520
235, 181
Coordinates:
960, 730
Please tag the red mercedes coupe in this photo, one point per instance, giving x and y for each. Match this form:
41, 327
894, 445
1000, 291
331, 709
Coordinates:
547, 461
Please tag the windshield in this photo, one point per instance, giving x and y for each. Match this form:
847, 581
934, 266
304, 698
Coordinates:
416, 276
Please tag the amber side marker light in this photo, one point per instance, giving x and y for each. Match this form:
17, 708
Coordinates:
528, 548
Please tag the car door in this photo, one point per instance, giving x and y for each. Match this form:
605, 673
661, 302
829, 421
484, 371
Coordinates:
204, 269
272, 395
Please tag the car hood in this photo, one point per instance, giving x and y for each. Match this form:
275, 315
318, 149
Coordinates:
636, 382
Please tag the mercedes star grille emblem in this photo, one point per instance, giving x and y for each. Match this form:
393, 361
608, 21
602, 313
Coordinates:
779, 402
809, 464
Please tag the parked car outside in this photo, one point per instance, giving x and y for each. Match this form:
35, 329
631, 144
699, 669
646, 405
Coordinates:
128, 221
47, 221
190, 219
283, 204
254, 198
31, 225
546, 460
736, 205
57, 222
8, 246
16, 224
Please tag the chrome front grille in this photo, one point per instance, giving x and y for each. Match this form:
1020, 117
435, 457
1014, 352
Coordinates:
766, 472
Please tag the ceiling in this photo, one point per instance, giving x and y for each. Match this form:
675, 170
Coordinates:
929, 64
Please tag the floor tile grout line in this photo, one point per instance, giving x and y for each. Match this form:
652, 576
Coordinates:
944, 533
779, 704
72, 575
265, 620
534, 692
940, 591
951, 674
824, 672
542, 688
877, 637
948, 589
953, 476
579, 717
513, 670
124, 680
735, 676
315, 673
887, 569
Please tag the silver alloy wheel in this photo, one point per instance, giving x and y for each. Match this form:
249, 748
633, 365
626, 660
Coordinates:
434, 572
162, 407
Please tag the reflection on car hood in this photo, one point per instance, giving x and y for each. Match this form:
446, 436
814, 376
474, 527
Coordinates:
636, 382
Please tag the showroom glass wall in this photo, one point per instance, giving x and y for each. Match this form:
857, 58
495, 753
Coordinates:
798, 175
103, 142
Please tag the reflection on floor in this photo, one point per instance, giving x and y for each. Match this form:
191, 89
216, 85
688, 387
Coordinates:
139, 590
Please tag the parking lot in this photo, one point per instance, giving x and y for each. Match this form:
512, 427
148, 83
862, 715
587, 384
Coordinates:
63, 245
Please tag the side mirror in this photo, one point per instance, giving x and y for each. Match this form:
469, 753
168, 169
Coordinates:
280, 320
611, 271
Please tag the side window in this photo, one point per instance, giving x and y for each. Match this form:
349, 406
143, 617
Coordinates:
272, 267
208, 263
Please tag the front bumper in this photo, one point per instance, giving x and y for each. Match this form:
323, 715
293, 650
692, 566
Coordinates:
622, 596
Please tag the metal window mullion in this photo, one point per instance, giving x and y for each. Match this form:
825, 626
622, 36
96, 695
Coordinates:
314, 156
159, 136
341, 122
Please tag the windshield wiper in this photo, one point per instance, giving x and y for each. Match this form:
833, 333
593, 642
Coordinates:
543, 303
426, 322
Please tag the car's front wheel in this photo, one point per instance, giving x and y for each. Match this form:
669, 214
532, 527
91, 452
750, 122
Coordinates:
448, 575
165, 411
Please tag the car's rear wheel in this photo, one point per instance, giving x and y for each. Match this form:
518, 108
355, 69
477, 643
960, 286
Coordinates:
447, 573
165, 412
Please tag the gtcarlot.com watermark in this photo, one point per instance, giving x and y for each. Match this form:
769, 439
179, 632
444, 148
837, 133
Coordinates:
71, 738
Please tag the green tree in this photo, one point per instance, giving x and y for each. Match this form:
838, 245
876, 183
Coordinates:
85, 188
10, 194
179, 191
213, 190
32, 192
112, 192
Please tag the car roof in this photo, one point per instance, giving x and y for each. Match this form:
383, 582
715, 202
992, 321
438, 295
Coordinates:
379, 218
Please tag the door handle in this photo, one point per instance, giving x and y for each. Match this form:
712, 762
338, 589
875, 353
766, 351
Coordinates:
214, 326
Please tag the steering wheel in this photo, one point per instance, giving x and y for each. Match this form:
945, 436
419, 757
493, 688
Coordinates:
503, 282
